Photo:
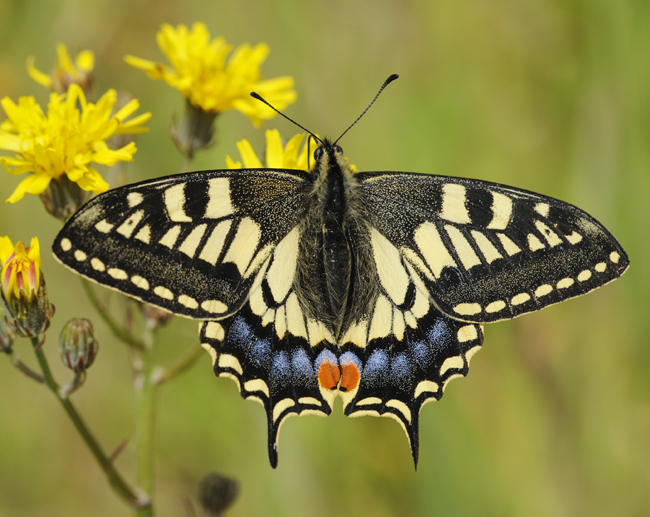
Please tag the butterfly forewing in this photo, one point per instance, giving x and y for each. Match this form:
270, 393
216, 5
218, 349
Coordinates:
487, 252
191, 244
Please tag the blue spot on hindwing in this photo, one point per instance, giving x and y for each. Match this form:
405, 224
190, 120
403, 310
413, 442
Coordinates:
280, 369
440, 336
375, 371
400, 370
303, 371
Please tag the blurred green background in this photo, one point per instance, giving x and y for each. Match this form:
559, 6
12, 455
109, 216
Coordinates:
548, 95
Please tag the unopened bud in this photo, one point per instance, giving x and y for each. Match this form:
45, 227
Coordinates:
78, 345
217, 493
28, 308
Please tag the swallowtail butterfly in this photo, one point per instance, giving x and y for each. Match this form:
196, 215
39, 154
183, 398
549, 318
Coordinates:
373, 285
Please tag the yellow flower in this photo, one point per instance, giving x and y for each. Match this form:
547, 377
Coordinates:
277, 156
66, 141
203, 73
27, 308
65, 72
21, 268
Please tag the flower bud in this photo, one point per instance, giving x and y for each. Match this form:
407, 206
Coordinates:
78, 345
23, 290
63, 197
217, 493
194, 131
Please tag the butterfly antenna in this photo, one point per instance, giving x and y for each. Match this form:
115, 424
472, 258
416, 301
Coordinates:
386, 83
257, 96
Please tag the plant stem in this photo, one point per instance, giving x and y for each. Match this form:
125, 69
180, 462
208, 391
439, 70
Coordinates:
18, 363
146, 418
116, 481
115, 327
184, 362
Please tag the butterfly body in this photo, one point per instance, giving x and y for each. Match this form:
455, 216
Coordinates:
373, 286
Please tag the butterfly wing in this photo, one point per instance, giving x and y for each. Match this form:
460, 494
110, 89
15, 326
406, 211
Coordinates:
449, 254
191, 244
277, 354
402, 352
487, 252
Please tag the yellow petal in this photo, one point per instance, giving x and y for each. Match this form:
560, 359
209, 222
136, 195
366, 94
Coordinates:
85, 60
248, 156
290, 158
274, 152
230, 164
6, 249
32, 184
34, 252
64, 61
143, 64
10, 142
93, 181
37, 75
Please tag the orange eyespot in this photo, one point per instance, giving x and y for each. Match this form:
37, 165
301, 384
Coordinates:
350, 376
329, 374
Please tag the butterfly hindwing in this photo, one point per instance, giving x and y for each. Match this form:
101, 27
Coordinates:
191, 244
488, 252
276, 354
403, 351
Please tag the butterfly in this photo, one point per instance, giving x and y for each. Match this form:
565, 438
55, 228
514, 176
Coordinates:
368, 285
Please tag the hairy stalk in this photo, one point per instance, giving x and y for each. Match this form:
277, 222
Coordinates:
117, 482
146, 419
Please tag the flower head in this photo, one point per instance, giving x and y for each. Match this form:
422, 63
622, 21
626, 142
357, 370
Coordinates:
24, 295
277, 156
66, 140
21, 268
65, 72
202, 71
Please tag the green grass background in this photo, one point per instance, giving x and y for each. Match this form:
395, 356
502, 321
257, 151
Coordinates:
547, 95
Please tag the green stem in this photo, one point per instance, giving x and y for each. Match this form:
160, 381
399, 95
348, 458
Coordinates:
116, 481
146, 418
185, 361
115, 327
18, 363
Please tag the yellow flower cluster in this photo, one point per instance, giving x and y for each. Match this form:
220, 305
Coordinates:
67, 140
202, 71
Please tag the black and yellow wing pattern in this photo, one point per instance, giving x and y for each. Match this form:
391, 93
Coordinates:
372, 286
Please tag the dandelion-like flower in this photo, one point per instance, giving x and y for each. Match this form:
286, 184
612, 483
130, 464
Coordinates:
65, 72
277, 155
210, 80
23, 291
67, 141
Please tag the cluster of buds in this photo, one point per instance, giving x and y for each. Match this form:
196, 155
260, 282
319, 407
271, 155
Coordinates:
27, 308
